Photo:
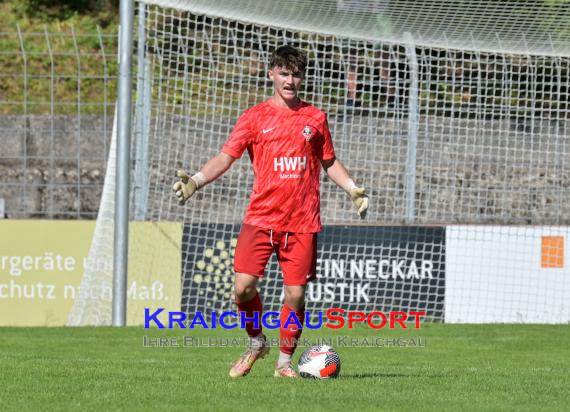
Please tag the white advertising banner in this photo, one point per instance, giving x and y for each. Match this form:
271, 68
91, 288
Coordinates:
507, 274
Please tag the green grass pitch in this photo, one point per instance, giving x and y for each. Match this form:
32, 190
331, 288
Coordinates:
463, 367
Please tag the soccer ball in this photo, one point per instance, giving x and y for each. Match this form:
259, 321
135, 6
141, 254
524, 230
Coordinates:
319, 362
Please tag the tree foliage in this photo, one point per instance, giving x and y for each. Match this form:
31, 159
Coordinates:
50, 10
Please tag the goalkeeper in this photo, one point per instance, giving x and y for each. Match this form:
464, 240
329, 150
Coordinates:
288, 141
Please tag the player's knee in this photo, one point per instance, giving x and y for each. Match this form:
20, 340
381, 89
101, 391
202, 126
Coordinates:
295, 297
244, 291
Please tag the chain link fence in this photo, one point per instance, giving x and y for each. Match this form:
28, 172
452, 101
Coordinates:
57, 96
58, 90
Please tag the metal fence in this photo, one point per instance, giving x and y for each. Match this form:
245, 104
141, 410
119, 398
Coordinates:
56, 115
57, 96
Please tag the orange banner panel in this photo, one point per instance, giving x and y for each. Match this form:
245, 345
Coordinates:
552, 253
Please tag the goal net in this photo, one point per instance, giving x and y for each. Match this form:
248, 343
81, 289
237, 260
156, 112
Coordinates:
452, 114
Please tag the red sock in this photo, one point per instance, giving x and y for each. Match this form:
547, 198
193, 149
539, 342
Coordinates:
288, 336
250, 307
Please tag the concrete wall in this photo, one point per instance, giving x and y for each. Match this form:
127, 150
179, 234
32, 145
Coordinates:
53, 167
468, 171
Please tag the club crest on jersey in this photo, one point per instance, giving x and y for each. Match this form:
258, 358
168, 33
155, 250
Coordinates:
308, 133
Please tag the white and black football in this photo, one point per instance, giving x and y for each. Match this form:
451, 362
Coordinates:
319, 362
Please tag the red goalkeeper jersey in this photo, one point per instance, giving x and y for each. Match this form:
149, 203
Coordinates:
285, 147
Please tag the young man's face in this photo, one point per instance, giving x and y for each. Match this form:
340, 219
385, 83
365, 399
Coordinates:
286, 83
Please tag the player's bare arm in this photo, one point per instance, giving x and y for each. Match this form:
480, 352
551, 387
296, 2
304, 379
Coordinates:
214, 168
338, 174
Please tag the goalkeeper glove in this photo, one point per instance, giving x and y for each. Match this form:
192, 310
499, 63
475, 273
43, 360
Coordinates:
185, 188
360, 199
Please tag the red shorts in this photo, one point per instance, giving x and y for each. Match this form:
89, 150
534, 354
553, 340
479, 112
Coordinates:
296, 254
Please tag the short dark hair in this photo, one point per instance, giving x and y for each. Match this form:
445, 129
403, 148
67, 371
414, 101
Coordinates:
289, 57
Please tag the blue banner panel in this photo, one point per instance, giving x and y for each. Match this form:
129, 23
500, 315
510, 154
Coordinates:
359, 268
